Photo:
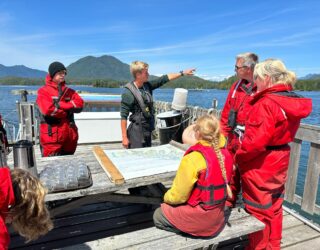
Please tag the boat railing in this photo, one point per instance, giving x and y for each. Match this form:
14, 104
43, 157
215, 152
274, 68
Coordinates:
10, 128
308, 136
99, 106
192, 112
28, 123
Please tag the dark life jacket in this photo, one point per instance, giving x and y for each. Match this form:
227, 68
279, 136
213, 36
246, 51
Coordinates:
144, 115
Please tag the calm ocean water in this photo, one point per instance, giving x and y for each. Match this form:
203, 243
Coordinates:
201, 98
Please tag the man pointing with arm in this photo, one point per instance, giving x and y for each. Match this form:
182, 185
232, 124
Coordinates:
137, 99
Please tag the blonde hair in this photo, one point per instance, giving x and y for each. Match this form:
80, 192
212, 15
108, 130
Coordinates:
137, 66
208, 127
30, 216
276, 70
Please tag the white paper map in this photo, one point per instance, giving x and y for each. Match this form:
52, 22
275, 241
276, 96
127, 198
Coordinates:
133, 163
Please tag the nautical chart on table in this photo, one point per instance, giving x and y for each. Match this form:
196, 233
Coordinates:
133, 163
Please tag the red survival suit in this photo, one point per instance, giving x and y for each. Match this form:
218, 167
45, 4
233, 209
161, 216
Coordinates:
57, 104
6, 201
238, 106
263, 158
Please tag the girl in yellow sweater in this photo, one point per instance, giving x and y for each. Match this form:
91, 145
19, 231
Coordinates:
195, 202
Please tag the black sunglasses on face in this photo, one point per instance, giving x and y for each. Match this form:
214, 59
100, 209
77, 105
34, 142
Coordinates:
239, 67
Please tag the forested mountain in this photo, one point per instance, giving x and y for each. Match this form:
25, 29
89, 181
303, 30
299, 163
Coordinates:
20, 71
310, 77
104, 67
108, 71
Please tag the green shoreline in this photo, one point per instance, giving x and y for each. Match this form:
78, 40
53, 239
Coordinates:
184, 82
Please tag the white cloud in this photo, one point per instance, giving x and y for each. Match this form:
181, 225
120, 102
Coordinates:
214, 77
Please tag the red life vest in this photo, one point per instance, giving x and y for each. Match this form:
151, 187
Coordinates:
210, 189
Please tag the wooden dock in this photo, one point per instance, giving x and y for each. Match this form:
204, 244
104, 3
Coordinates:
93, 218
93, 221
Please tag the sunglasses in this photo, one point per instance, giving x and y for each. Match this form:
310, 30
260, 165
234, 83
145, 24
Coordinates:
239, 67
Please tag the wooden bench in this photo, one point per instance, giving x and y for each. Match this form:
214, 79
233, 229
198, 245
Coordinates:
239, 224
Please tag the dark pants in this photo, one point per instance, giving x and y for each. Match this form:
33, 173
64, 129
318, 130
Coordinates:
138, 138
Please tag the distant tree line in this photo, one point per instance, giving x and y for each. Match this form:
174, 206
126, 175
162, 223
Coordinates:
21, 81
308, 85
99, 83
183, 82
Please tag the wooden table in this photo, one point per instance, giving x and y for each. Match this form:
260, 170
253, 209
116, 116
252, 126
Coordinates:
102, 189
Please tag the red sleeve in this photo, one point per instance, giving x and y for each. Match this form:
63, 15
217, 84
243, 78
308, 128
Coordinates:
259, 130
74, 104
47, 106
77, 101
225, 113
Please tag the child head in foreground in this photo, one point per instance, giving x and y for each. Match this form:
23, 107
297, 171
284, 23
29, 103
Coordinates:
22, 205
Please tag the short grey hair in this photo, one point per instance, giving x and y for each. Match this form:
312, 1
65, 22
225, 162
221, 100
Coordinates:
249, 59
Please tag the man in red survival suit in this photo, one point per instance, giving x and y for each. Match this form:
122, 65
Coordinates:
57, 104
236, 109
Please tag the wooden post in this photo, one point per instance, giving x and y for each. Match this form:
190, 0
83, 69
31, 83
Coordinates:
312, 179
293, 170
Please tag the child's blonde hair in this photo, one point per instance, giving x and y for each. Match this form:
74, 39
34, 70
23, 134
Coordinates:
208, 127
30, 216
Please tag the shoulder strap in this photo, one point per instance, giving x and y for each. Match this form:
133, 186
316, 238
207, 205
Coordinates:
62, 93
235, 88
248, 90
138, 96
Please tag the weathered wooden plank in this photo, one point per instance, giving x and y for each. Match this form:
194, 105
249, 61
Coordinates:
298, 200
111, 170
309, 244
312, 179
290, 221
153, 238
240, 223
298, 234
308, 133
293, 170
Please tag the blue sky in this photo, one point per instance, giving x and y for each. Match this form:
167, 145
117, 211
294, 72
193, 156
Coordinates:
169, 35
